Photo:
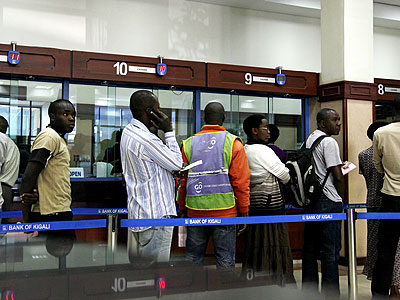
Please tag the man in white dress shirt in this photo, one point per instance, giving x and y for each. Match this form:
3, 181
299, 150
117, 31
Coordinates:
147, 165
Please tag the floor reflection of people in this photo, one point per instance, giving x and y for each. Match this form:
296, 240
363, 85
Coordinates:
60, 244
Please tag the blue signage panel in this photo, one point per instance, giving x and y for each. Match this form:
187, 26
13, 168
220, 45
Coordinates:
14, 57
161, 69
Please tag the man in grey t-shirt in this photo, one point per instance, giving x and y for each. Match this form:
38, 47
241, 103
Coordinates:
323, 239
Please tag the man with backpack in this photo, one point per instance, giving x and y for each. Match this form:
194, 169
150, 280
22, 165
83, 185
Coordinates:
322, 240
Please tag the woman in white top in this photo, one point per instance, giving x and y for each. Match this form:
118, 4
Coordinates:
267, 245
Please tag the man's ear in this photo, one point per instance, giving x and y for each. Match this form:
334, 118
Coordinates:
254, 131
52, 117
223, 119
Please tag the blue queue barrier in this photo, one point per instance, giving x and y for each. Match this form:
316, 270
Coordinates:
378, 216
62, 225
11, 214
355, 205
232, 220
346, 206
75, 211
122, 211
99, 211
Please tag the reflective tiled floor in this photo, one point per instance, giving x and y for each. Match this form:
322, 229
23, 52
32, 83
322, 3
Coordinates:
364, 285
90, 271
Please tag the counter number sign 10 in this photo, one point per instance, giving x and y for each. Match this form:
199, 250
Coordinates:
161, 69
161, 284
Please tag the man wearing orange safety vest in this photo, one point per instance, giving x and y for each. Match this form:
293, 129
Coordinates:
219, 187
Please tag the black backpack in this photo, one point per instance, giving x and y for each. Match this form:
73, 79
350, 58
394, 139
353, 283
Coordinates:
303, 187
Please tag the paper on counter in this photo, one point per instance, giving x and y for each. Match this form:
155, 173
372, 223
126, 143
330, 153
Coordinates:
192, 165
349, 167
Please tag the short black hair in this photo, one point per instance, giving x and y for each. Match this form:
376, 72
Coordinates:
55, 105
373, 127
253, 121
140, 100
214, 113
324, 113
273, 133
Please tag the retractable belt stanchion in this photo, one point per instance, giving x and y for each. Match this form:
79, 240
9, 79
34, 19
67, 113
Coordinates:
112, 233
351, 243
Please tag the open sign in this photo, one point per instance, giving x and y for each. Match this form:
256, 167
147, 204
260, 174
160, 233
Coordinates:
76, 172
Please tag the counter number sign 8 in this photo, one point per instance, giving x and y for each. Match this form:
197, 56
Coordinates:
381, 89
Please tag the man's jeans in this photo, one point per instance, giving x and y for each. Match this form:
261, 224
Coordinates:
150, 246
322, 240
224, 241
388, 237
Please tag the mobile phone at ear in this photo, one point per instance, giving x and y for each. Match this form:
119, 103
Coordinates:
151, 114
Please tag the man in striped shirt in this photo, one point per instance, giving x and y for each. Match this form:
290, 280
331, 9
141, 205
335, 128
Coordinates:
147, 165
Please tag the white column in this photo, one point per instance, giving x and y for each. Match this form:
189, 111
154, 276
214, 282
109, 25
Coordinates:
347, 55
346, 41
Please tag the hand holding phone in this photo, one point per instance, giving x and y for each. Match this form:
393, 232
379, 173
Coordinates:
159, 119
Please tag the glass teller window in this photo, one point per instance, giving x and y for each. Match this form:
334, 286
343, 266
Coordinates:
102, 114
24, 104
286, 113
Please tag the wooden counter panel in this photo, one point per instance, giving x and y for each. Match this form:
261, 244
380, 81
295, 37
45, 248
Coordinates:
98, 66
238, 78
38, 61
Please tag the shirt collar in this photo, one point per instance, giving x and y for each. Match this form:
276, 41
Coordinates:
213, 128
140, 125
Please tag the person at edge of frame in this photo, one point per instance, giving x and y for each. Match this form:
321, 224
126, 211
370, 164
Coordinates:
9, 172
386, 143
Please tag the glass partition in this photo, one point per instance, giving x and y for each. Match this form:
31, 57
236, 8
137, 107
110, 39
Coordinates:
384, 112
24, 105
103, 112
286, 113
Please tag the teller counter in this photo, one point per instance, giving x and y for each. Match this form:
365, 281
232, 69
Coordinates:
98, 193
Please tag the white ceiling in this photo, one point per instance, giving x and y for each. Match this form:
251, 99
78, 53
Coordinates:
386, 12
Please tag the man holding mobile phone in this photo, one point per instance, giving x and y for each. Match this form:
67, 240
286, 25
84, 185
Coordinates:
147, 166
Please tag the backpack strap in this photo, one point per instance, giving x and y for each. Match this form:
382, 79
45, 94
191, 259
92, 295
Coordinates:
326, 177
313, 146
317, 141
